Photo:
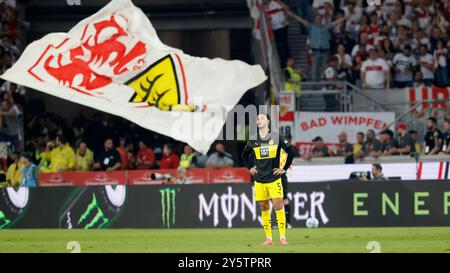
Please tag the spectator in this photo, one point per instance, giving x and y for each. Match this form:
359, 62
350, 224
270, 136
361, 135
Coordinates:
62, 157
440, 56
277, 10
401, 39
420, 39
108, 159
416, 146
446, 136
402, 143
145, 158
426, 65
12, 50
401, 19
418, 79
422, 12
14, 173
330, 73
181, 177
29, 172
433, 138
374, 29
387, 137
188, 158
372, 146
384, 56
169, 159
12, 120
362, 48
345, 149
377, 173
293, 77
375, 72
403, 65
338, 31
320, 36
122, 150
357, 147
131, 159
220, 158
43, 157
319, 150
345, 64
201, 160
84, 158
353, 14
436, 36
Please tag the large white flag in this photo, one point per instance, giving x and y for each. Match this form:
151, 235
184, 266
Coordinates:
113, 61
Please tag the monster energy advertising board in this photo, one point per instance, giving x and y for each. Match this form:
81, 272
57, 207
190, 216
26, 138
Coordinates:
338, 204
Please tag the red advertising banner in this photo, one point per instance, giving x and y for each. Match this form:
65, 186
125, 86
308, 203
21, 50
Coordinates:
142, 177
229, 175
149, 177
309, 125
157, 177
82, 178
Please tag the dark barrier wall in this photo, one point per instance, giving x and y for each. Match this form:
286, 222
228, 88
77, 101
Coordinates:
338, 204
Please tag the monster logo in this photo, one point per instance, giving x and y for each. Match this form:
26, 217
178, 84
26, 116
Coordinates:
98, 218
94, 207
168, 206
4, 222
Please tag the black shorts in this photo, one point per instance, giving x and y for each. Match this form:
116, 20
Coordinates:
284, 182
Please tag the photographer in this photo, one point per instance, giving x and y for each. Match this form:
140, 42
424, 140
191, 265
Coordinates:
377, 174
180, 178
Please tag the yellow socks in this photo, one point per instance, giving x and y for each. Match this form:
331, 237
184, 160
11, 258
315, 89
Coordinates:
265, 216
281, 220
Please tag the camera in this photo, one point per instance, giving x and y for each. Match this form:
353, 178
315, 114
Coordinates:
159, 176
356, 175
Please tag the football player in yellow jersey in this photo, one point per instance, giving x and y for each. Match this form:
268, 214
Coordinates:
266, 172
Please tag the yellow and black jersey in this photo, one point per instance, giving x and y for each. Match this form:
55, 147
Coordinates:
264, 153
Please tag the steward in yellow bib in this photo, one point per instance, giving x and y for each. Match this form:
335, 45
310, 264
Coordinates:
188, 159
293, 77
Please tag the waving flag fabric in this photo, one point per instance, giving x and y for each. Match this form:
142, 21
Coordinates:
113, 61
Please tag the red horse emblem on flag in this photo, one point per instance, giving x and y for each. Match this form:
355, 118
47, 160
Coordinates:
106, 50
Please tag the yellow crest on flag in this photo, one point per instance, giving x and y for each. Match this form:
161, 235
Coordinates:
157, 85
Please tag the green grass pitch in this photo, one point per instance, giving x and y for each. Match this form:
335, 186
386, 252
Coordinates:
246, 240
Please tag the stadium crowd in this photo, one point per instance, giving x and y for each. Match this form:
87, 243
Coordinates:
401, 43
12, 99
102, 142
387, 143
